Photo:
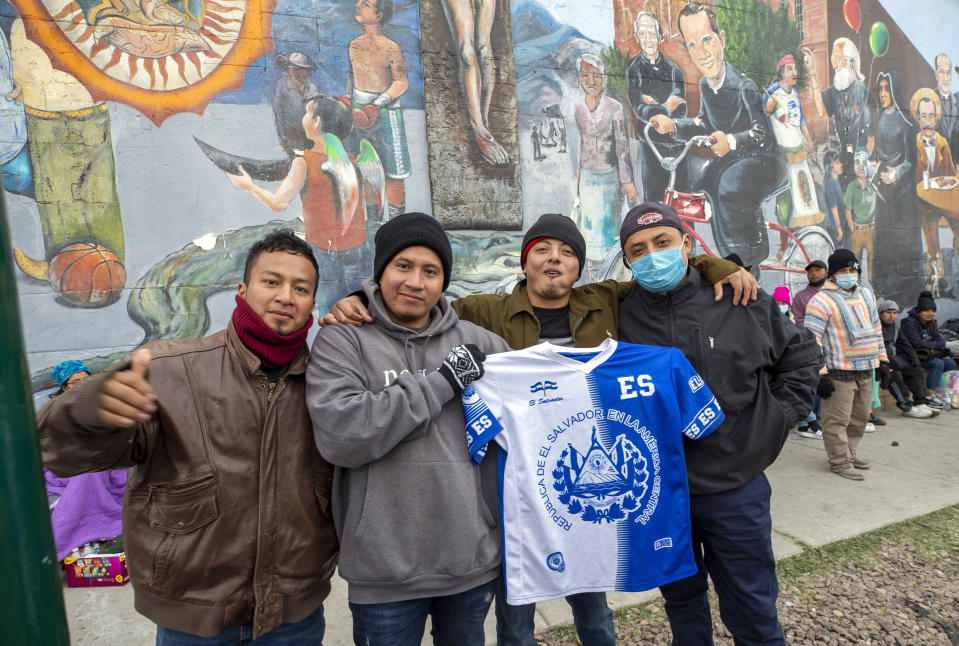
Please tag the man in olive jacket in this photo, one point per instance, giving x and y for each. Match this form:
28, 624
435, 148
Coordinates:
226, 519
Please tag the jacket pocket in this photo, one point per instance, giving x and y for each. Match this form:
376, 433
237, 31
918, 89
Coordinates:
177, 509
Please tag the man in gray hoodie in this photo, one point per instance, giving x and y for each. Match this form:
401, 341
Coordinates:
417, 522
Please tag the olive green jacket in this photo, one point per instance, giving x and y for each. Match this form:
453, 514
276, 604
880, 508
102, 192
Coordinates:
593, 308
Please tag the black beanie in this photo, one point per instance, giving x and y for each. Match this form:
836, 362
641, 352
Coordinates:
842, 258
411, 230
925, 302
560, 227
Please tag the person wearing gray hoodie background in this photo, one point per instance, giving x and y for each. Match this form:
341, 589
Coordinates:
417, 521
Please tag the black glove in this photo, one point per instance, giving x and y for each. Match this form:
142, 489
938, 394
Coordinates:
883, 374
826, 388
462, 366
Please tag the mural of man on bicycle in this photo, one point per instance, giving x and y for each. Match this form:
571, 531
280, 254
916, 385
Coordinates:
748, 167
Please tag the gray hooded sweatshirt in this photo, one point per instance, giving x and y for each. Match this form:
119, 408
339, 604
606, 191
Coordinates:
414, 516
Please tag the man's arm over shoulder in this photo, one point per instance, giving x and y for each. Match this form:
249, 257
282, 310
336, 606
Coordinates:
352, 424
713, 269
74, 438
485, 310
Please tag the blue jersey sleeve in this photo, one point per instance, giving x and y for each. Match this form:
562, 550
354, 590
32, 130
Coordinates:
481, 424
699, 412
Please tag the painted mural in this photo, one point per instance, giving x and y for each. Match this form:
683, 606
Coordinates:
144, 146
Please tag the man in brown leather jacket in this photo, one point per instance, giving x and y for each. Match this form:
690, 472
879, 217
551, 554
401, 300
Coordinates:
226, 519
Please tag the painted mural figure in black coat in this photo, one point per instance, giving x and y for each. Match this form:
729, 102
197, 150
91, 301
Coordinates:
748, 167
896, 269
656, 85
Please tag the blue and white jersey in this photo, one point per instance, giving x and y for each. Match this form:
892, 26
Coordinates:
593, 491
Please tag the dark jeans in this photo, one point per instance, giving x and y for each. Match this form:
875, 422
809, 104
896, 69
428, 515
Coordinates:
591, 616
731, 541
457, 619
308, 632
936, 367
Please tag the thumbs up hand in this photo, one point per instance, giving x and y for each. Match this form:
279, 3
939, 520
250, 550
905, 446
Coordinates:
126, 397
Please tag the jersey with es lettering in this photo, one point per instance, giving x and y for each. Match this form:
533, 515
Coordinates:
593, 491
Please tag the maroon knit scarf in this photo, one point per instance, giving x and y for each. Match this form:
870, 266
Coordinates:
274, 350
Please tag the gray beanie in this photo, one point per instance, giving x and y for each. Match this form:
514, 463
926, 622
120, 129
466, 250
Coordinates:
887, 305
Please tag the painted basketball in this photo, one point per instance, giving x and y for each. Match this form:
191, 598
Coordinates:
87, 275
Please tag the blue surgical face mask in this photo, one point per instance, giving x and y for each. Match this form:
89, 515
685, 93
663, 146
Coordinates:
661, 271
783, 308
847, 281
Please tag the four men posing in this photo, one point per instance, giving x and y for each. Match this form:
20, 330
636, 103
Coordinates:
254, 463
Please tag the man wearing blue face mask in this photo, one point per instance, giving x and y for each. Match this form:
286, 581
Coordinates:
844, 318
763, 369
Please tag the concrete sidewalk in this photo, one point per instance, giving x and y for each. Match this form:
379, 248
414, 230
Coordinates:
810, 506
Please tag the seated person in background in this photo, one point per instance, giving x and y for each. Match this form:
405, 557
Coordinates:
905, 370
922, 332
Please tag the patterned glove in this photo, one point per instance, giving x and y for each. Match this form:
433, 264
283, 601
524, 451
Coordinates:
826, 387
462, 366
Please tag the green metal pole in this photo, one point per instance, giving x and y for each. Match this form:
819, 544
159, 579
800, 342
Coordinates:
31, 600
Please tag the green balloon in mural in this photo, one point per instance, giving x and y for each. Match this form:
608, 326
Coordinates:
879, 39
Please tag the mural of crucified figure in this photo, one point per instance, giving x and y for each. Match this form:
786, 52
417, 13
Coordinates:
470, 23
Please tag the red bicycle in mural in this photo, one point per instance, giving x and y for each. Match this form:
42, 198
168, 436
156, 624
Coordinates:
786, 265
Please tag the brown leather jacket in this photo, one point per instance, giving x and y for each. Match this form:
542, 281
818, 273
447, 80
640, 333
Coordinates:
226, 517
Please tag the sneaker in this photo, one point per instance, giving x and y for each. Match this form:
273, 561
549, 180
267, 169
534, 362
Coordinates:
878, 421
918, 412
858, 463
932, 411
848, 473
934, 402
811, 434
815, 427
870, 428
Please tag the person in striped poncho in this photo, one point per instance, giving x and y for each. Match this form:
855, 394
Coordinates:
844, 319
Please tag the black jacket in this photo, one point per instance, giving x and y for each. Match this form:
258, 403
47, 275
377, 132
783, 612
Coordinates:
761, 367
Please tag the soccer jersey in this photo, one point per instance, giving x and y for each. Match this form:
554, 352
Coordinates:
593, 491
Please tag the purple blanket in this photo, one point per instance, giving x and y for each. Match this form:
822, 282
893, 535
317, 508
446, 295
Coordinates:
89, 508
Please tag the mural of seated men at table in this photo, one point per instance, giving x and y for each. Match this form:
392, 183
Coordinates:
605, 174
938, 198
656, 85
800, 207
334, 205
748, 166
860, 202
898, 244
